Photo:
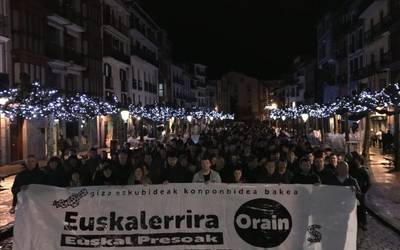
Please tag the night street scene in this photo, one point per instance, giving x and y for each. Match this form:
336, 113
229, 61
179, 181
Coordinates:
200, 125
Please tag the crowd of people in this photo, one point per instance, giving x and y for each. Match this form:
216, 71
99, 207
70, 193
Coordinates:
236, 154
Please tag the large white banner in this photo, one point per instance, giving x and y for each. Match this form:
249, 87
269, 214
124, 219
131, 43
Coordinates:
186, 217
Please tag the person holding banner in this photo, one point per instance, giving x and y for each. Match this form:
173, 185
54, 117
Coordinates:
326, 175
105, 175
333, 162
54, 174
267, 172
123, 168
174, 172
206, 174
284, 175
138, 177
30, 175
238, 176
306, 176
343, 178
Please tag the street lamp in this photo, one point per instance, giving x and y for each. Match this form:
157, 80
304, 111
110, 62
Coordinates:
125, 115
189, 118
304, 117
272, 106
283, 118
3, 100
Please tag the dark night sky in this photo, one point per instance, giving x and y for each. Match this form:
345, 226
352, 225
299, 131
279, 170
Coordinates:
257, 37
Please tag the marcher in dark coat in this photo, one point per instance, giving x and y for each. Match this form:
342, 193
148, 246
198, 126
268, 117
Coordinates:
123, 168
76, 174
154, 167
333, 162
284, 175
361, 174
92, 162
30, 175
173, 172
54, 174
306, 176
326, 175
237, 176
344, 179
267, 173
105, 175
292, 162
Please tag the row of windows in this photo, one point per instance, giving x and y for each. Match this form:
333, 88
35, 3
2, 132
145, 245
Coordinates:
136, 99
371, 59
136, 23
292, 91
25, 72
149, 81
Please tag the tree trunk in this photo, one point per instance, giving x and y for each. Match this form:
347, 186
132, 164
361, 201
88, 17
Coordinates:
322, 131
367, 137
141, 130
396, 141
346, 132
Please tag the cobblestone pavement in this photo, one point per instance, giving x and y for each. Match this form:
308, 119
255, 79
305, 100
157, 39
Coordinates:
378, 237
384, 197
6, 201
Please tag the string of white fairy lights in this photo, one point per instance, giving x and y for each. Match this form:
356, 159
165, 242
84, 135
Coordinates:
379, 101
159, 113
36, 101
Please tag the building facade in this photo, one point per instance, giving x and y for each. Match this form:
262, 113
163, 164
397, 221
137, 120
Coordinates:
364, 38
50, 45
178, 91
5, 70
144, 55
240, 94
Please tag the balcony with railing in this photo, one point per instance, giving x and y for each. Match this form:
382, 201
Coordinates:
4, 81
385, 59
4, 26
116, 54
365, 71
115, 23
200, 72
378, 29
134, 83
178, 80
341, 53
141, 27
55, 8
140, 86
55, 51
145, 54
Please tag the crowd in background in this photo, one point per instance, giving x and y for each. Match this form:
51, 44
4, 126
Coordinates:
236, 154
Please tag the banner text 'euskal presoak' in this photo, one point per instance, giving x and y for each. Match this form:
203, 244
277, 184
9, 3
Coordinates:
186, 217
